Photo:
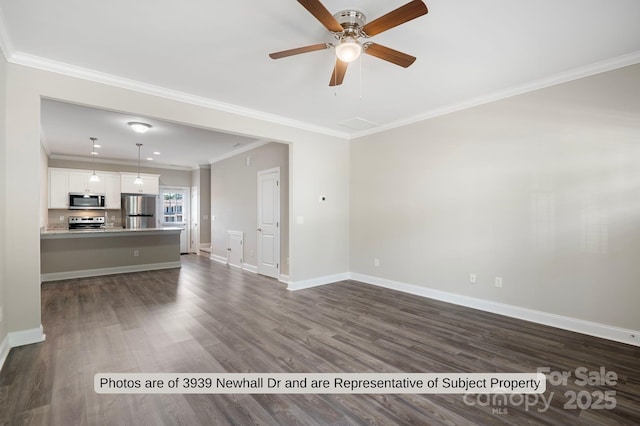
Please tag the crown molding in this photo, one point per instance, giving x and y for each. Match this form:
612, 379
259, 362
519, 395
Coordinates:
45, 64
120, 162
239, 151
564, 77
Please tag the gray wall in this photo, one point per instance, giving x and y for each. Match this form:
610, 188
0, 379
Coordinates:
204, 193
201, 178
234, 200
542, 189
3, 205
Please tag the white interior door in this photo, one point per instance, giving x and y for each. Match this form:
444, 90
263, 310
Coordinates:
269, 222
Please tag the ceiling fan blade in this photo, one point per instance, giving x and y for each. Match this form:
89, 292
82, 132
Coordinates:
396, 17
321, 13
299, 50
389, 55
338, 73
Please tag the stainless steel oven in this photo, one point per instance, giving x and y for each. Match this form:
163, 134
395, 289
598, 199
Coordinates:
79, 223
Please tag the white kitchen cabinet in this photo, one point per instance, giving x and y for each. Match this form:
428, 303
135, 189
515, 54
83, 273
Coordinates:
58, 188
150, 183
112, 191
112, 185
79, 182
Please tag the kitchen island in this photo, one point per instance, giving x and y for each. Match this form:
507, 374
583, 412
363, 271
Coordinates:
68, 254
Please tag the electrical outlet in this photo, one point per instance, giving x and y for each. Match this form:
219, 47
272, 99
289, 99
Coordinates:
473, 278
499, 282
61, 218
136, 253
376, 262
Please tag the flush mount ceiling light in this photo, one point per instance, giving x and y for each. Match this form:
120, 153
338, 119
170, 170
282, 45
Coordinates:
138, 180
94, 177
139, 127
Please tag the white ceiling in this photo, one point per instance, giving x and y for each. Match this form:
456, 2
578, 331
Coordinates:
66, 129
469, 52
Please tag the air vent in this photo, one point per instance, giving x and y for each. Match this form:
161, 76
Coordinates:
358, 123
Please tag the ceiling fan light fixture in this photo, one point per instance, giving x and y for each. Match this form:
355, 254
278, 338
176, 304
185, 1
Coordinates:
348, 50
139, 127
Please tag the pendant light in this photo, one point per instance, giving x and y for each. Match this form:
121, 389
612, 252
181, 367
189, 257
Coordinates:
94, 177
138, 180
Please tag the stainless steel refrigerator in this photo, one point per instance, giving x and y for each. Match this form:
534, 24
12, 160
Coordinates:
138, 211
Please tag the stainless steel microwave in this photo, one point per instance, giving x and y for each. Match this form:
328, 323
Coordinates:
83, 201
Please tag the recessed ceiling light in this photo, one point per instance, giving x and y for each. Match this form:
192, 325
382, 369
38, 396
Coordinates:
97, 146
156, 153
149, 158
94, 153
139, 127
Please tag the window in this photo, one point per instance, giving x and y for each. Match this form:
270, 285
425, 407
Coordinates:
173, 204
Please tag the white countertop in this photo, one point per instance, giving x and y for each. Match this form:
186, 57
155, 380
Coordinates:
106, 232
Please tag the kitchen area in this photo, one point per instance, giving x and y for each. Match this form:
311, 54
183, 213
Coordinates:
112, 226
121, 192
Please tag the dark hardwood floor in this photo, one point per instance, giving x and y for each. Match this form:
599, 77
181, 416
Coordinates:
208, 318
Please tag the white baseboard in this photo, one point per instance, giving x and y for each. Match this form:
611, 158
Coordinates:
206, 247
284, 278
56, 276
19, 338
219, 259
314, 282
250, 268
245, 266
26, 337
631, 337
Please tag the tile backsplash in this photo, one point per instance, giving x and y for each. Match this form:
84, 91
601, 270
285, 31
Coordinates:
59, 218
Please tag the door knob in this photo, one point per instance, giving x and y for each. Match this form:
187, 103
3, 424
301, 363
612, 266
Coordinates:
259, 229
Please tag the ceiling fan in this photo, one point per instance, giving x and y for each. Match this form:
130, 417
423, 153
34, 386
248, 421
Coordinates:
348, 27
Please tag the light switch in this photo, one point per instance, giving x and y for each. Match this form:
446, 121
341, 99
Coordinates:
300, 220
